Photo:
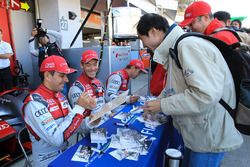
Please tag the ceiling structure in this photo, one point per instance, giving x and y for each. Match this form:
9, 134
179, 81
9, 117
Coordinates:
167, 8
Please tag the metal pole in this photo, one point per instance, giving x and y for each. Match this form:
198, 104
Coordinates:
110, 26
84, 22
37, 9
149, 75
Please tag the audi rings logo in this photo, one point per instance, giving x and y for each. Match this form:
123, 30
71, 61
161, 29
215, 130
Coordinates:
4, 126
40, 112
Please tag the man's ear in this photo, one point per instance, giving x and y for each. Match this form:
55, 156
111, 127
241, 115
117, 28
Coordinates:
207, 17
47, 75
152, 31
81, 65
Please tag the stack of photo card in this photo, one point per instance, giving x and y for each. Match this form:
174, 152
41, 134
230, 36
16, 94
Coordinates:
82, 154
121, 154
153, 119
98, 135
129, 144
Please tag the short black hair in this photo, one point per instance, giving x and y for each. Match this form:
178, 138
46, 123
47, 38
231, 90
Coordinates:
152, 20
222, 16
236, 20
42, 74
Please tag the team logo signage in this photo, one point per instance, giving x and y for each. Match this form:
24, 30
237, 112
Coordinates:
14, 5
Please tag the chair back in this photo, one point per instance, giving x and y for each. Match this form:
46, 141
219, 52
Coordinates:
25, 144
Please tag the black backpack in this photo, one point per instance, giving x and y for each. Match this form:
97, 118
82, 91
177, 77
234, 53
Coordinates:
238, 60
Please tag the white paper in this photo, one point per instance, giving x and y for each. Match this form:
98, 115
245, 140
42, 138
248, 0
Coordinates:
110, 106
98, 135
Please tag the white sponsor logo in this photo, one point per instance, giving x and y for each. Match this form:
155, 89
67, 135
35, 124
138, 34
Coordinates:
53, 108
4, 126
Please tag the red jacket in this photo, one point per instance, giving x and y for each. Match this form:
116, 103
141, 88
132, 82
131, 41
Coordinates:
225, 36
158, 80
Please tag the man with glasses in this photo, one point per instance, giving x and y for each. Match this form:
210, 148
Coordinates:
199, 18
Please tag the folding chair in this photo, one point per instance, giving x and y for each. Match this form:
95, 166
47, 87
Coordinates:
25, 144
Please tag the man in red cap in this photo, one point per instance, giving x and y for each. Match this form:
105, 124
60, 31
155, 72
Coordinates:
199, 18
87, 82
48, 115
118, 81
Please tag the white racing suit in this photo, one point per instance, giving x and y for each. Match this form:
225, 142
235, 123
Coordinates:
50, 122
95, 89
116, 84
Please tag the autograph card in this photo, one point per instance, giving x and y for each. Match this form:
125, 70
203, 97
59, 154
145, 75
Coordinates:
98, 135
82, 154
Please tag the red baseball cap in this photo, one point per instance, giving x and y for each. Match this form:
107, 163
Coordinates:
138, 64
89, 55
56, 63
194, 10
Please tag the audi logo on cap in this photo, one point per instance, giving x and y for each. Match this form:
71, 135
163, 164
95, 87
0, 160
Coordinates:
138, 65
4, 126
50, 65
188, 15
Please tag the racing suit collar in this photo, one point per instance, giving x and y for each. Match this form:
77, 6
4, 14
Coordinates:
86, 78
48, 91
125, 74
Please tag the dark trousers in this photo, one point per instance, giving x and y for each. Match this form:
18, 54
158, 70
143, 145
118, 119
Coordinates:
6, 79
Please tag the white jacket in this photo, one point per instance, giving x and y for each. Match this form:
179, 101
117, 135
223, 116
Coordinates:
205, 78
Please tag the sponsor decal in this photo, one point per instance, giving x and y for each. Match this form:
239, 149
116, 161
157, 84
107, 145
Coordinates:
50, 127
62, 98
188, 72
51, 109
38, 98
64, 104
51, 101
46, 121
115, 82
50, 65
114, 87
41, 112
4, 126
76, 95
79, 85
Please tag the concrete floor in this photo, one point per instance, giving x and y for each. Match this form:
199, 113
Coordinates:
236, 158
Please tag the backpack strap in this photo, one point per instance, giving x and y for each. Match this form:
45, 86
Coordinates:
230, 30
174, 51
228, 108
